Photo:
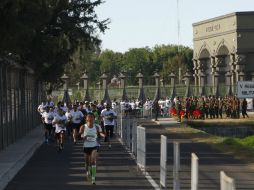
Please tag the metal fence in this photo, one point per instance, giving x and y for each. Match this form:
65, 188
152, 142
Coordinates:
194, 172
163, 162
132, 92
141, 148
20, 95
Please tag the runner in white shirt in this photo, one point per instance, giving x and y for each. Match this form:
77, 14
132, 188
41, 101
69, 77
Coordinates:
47, 118
60, 121
76, 120
108, 116
90, 132
69, 118
41, 108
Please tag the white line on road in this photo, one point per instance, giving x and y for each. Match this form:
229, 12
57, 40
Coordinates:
151, 181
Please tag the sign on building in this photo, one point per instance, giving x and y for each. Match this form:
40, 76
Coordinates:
245, 89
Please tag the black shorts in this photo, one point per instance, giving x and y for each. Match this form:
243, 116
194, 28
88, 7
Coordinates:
48, 126
75, 126
109, 130
88, 150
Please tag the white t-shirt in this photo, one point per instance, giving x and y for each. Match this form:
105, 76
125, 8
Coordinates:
76, 116
91, 135
108, 116
68, 116
61, 121
48, 117
41, 108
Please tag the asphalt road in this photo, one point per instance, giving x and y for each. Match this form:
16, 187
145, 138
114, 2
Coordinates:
50, 170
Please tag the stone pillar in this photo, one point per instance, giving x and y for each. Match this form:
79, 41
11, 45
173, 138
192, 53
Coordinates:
86, 92
65, 79
213, 66
66, 96
228, 83
241, 76
195, 68
202, 83
233, 69
188, 77
172, 77
141, 94
252, 76
157, 85
122, 85
106, 97
216, 84
240, 60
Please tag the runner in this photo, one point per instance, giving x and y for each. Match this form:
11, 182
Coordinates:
60, 121
47, 118
108, 116
90, 133
76, 119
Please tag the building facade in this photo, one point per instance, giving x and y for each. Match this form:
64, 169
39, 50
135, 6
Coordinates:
223, 51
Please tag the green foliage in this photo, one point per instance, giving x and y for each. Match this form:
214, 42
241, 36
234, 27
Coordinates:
111, 62
46, 34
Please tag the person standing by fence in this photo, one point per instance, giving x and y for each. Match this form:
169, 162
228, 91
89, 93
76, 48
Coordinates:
178, 106
157, 109
244, 108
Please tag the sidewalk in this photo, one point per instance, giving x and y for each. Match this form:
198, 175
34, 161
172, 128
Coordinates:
15, 156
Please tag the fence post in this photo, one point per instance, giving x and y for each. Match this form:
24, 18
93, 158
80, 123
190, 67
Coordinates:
134, 138
176, 167
163, 162
226, 183
141, 148
194, 172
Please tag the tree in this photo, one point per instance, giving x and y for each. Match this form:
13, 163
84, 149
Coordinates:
47, 34
111, 62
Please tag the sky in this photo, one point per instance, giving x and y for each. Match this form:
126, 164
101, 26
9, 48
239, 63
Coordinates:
141, 23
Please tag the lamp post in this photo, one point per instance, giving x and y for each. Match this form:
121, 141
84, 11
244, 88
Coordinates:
66, 97
86, 93
122, 83
141, 94
172, 77
106, 97
157, 84
65, 78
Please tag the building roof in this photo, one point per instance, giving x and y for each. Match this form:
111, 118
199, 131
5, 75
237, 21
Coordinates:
224, 16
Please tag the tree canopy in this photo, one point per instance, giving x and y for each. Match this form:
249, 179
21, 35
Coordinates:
46, 34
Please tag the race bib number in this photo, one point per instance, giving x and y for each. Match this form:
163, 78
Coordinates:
91, 139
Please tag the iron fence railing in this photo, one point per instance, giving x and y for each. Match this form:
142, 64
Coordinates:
150, 91
20, 94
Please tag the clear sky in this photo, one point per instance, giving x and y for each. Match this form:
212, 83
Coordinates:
140, 23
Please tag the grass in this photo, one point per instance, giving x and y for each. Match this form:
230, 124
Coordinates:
240, 148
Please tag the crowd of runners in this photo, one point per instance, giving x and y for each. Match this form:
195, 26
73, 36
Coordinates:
88, 121
94, 122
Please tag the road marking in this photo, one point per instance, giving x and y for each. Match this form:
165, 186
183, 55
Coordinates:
146, 174
151, 181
